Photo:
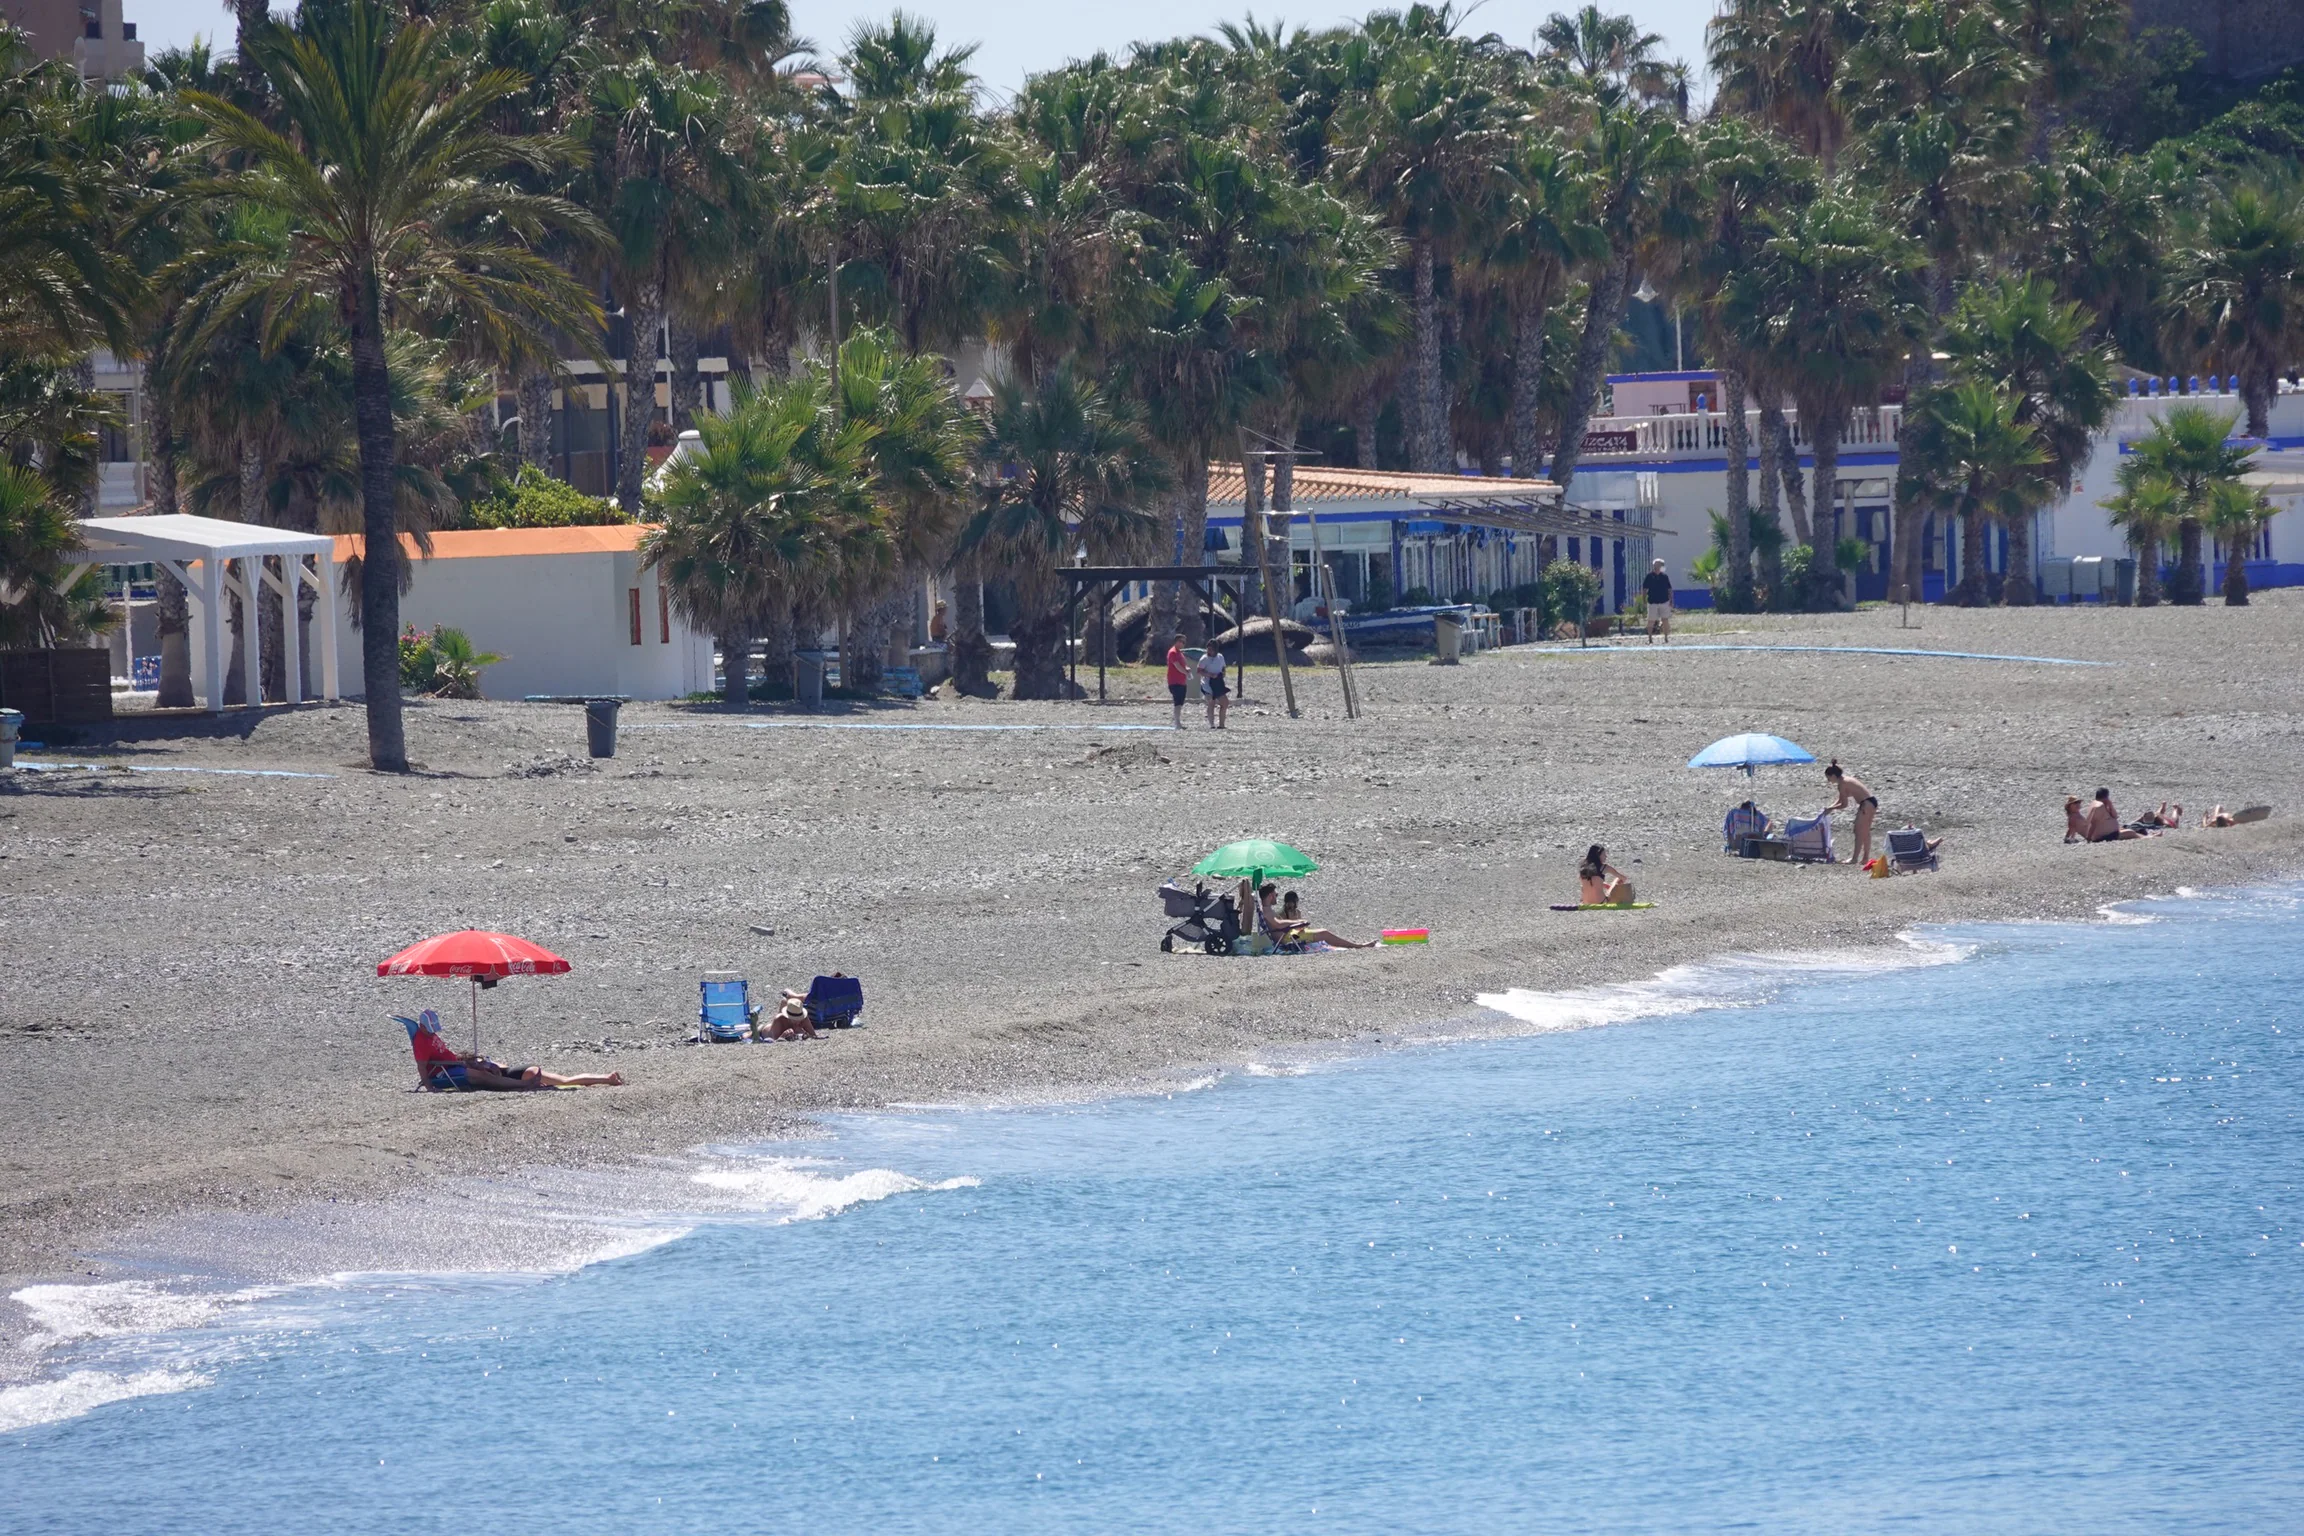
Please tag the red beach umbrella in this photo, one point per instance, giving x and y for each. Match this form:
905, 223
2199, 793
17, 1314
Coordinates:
485, 957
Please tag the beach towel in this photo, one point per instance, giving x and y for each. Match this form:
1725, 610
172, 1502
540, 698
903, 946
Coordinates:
1602, 906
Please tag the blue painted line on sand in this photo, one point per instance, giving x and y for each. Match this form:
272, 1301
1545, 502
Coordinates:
1835, 650
236, 773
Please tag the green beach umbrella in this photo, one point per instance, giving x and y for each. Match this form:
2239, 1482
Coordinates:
1253, 859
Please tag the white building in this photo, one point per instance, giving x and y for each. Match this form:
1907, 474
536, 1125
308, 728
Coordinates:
569, 609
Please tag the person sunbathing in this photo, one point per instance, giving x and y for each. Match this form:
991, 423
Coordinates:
791, 1021
2075, 819
1291, 918
2219, 817
440, 1066
1600, 883
2104, 822
2166, 819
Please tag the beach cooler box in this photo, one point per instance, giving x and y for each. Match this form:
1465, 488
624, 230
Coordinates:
903, 682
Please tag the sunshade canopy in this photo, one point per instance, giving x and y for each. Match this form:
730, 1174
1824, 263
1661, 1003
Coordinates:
473, 952
1253, 859
1753, 749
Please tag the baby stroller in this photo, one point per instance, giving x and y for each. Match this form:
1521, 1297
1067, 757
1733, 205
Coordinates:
1210, 922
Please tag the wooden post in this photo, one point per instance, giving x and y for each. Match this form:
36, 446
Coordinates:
1252, 527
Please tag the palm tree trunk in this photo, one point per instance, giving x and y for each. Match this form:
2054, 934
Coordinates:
777, 639
1974, 581
380, 528
1188, 529
1602, 313
2257, 386
971, 651
2148, 573
172, 612
735, 666
1771, 497
536, 419
2016, 589
870, 635
2190, 588
1795, 497
1428, 451
1737, 589
1366, 410
1908, 516
2236, 578
1039, 653
687, 384
1824, 590
1527, 386
645, 309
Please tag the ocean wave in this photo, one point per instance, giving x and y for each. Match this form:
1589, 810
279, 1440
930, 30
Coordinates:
791, 1189
76, 1314
70, 1396
1728, 981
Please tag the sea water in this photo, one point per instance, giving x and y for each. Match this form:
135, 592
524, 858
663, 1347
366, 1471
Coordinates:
1998, 1232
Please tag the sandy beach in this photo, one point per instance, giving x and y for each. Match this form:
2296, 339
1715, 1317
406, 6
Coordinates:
190, 1019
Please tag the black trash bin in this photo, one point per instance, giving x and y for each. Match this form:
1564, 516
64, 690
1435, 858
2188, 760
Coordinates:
600, 725
2124, 583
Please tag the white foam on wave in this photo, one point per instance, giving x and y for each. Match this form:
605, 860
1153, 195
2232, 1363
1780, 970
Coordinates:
1268, 1069
790, 1188
2117, 914
1730, 981
73, 1314
69, 1396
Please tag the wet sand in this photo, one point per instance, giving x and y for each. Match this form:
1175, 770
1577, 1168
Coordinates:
190, 1020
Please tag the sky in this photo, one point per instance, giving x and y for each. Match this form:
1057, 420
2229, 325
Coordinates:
1021, 37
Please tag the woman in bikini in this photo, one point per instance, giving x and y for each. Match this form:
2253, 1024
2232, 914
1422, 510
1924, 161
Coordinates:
1866, 804
1600, 883
1302, 932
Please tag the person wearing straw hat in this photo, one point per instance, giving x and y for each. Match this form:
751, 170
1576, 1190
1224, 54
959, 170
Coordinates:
1658, 588
790, 1022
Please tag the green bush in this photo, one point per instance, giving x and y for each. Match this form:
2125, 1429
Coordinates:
534, 499
1799, 570
1465, 598
1379, 592
1570, 589
1416, 597
441, 663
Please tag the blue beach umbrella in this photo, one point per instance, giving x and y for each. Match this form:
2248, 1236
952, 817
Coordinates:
1753, 749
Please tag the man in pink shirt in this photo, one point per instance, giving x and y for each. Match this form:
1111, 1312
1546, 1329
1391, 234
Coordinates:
1179, 678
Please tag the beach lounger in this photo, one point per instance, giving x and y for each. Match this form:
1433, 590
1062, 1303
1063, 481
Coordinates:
1810, 841
1742, 823
1908, 850
834, 1002
724, 1014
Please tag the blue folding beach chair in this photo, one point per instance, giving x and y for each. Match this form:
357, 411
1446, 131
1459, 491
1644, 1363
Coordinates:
834, 1001
1747, 820
725, 1013
1811, 840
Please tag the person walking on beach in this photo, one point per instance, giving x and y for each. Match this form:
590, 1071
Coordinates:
1866, 804
1179, 678
1658, 587
1212, 683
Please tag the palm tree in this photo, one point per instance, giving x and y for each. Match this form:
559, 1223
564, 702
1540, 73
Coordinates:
1603, 50
2190, 447
399, 201
1418, 140
1983, 463
920, 452
1778, 62
1835, 303
1536, 231
665, 183
39, 607
2016, 335
2146, 508
1068, 470
1644, 195
2238, 288
2236, 514
775, 500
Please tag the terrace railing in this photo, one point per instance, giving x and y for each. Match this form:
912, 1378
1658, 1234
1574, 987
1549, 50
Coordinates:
1704, 434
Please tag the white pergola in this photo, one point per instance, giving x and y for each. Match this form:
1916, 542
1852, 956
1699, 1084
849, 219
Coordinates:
212, 558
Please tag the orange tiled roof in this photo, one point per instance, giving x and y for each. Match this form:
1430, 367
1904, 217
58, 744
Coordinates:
492, 543
1327, 482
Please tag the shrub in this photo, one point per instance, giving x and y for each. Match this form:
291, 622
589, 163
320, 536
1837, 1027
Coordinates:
534, 499
1379, 591
441, 663
1416, 597
1465, 598
1570, 590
